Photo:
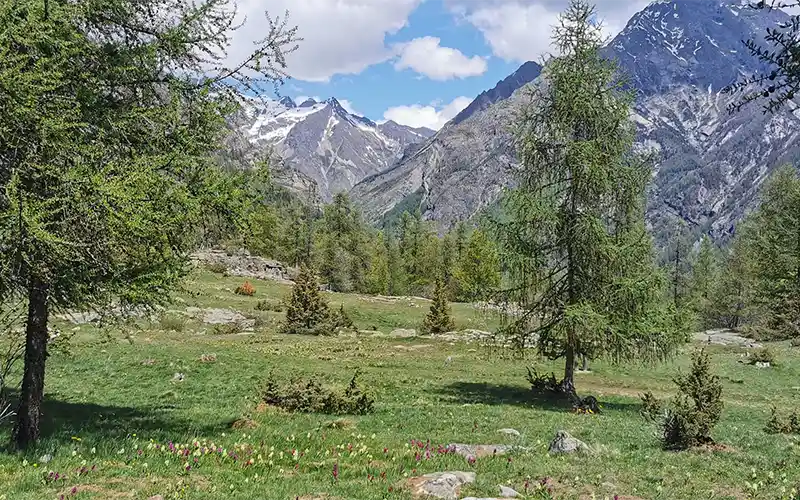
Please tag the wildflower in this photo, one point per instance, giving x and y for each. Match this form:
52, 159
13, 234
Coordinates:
93, 450
74, 490
336, 471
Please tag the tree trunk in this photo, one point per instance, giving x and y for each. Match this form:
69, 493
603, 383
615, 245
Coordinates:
27, 429
568, 384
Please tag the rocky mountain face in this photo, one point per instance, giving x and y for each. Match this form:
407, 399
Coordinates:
321, 142
678, 55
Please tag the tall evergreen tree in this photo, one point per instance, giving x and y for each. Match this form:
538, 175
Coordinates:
678, 261
479, 268
397, 278
705, 273
732, 300
773, 236
111, 114
582, 265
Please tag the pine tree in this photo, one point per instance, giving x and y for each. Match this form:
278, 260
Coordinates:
479, 268
397, 278
678, 261
704, 278
773, 238
580, 262
307, 312
378, 278
732, 300
107, 148
439, 319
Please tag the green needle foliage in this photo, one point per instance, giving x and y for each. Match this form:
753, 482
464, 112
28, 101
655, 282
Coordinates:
772, 235
110, 113
307, 312
581, 263
439, 319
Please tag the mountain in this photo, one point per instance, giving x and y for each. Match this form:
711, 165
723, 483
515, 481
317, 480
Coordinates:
322, 141
678, 55
526, 73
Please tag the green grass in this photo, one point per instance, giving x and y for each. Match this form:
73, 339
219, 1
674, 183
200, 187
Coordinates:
104, 405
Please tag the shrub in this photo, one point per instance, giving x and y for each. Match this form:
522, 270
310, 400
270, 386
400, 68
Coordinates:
778, 424
307, 311
652, 407
342, 320
696, 409
795, 342
172, 322
269, 305
763, 355
217, 268
246, 289
227, 329
543, 383
309, 396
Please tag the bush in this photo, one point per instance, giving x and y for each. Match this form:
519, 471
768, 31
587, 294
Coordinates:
217, 268
308, 396
696, 409
652, 407
763, 355
246, 289
543, 383
172, 322
227, 329
342, 320
778, 424
269, 305
795, 342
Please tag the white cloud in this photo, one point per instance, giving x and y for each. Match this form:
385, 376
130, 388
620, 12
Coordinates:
426, 56
520, 30
348, 106
339, 36
433, 116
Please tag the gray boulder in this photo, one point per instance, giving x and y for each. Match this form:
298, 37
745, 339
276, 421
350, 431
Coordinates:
445, 485
564, 443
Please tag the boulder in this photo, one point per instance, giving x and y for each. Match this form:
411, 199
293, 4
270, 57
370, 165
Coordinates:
509, 432
475, 451
403, 333
445, 485
507, 492
564, 443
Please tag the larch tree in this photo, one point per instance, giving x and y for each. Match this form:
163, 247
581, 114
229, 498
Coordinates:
580, 262
773, 238
112, 111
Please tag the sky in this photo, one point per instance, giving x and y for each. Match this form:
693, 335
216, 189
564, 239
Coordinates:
417, 62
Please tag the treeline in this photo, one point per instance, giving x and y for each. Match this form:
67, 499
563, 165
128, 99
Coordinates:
754, 283
351, 256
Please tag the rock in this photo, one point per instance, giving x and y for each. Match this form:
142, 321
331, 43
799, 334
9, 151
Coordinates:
178, 377
762, 364
445, 485
724, 337
509, 432
156, 497
46, 458
507, 492
475, 451
243, 264
372, 333
403, 333
564, 443
216, 316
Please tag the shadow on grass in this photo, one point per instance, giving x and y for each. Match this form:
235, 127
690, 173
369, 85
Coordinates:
63, 420
500, 394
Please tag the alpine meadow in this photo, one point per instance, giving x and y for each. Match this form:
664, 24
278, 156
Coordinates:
581, 283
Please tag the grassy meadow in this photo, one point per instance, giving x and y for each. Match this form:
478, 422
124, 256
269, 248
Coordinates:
118, 426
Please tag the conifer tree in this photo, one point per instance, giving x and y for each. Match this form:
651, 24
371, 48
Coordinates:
112, 113
378, 276
439, 318
732, 302
479, 269
397, 278
773, 238
307, 312
703, 281
581, 264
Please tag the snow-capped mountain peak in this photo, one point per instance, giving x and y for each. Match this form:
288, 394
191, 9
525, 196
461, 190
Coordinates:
325, 142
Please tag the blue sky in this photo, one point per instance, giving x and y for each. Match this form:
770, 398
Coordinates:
418, 62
